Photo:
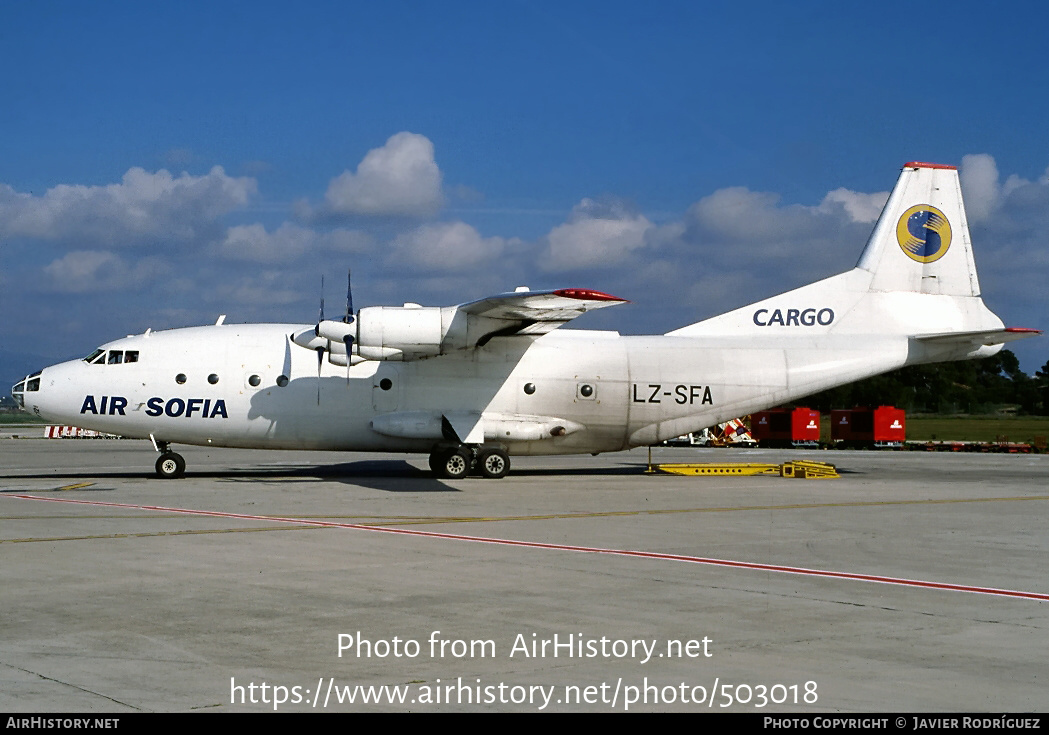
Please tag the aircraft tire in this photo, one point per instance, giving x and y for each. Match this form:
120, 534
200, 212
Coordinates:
453, 464
171, 466
493, 463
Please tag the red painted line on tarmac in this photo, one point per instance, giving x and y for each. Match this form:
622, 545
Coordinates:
802, 571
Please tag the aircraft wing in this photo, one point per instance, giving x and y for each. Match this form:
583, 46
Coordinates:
989, 337
538, 312
413, 332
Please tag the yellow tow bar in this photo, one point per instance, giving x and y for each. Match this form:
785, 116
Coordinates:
800, 469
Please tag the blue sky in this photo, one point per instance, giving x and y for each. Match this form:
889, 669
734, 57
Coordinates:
161, 164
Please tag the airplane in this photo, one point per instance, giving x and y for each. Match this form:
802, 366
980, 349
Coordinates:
477, 383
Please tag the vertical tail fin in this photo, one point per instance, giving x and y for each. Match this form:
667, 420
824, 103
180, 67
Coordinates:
916, 275
921, 242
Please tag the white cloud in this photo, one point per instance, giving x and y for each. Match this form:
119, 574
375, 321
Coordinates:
445, 246
597, 234
739, 245
736, 220
265, 289
979, 178
399, 179
728, 249
859, 206
143, 208
287, 243
85, 271
737, 214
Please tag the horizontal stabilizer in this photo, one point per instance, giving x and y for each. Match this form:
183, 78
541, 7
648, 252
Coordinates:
987, 337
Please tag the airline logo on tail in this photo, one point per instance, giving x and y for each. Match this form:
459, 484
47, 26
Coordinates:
924, 233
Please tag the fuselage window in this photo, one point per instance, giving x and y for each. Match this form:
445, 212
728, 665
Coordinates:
180, 378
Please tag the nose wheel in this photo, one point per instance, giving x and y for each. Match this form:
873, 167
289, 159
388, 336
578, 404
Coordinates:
171, 466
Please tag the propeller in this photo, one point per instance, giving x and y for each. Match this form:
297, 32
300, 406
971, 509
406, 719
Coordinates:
325, 332
347, 336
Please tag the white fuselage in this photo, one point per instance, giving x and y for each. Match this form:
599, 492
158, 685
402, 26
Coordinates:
614, 392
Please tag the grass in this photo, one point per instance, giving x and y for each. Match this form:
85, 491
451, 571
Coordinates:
977, 428
19, 417
968, 428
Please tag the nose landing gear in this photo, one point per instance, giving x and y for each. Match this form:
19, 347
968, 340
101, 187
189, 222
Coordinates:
170, 465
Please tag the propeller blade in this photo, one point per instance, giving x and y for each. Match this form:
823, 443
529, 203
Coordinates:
320, 361
348, 341
349, 298
320, 314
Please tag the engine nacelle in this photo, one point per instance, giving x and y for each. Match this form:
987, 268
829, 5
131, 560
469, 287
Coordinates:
407, 332
400, 332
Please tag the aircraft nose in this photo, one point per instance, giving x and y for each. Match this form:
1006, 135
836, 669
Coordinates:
29, 384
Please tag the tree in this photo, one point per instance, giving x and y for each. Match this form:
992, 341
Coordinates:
1041, 387
970, 386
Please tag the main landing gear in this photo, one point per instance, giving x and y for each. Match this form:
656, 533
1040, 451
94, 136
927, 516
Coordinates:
170, 465
453, 462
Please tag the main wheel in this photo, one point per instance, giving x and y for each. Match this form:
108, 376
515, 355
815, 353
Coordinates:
453, 464
493, 463
171, 466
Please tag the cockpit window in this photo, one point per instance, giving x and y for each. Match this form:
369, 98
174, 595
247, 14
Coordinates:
29, 385
113, 357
